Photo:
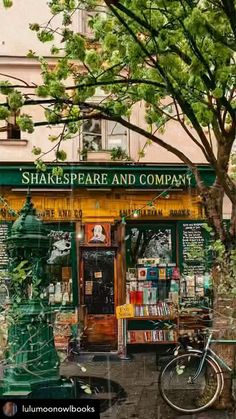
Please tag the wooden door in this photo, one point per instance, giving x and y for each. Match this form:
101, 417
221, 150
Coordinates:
98, 267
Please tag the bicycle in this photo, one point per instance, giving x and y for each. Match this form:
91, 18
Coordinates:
193, 381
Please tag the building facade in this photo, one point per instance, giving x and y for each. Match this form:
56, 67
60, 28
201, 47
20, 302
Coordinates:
104, 217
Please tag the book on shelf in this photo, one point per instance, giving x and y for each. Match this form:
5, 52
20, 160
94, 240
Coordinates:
161, 309
143, 336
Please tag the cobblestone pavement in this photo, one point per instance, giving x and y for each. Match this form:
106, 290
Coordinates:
139, 378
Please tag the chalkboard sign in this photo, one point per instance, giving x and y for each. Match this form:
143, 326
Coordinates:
193, 247
98, 273
4, 259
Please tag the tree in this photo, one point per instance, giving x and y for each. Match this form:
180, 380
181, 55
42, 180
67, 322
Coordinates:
147, 51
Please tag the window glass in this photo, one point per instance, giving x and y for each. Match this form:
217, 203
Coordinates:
98, 274
150, 241
59, 267
10, 129
92, 135
116, 136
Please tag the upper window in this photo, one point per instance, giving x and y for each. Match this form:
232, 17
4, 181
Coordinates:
86, 15
103, 135
92, 135
11, 128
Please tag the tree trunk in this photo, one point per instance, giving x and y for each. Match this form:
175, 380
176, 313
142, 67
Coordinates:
224, 284
224, 322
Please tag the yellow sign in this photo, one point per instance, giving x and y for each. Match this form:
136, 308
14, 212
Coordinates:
125, 311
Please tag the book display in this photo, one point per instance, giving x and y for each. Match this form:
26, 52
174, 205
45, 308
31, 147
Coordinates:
152, 289
161, 303
196, 298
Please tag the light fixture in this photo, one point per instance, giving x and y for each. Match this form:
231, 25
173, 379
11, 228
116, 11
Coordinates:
136, 213
80, 235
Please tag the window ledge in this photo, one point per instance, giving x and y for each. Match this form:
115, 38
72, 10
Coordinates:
13, 142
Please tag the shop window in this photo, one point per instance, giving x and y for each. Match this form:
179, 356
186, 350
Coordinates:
59, 266
103, 135
151, 257
150, 241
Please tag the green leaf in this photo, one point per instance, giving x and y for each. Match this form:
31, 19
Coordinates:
218, 93
57, 171
31, 54
7, 3
15, 100
88, 390
40, 166
36, 151
5, 87
45, 36
52, 116
55, 50
61, 155
75, 46
25, 122
56, 89
42, 91
53, 138
34, 27
4, 112
180, 369
141, 153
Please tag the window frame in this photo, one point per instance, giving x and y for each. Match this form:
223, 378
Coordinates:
105, 138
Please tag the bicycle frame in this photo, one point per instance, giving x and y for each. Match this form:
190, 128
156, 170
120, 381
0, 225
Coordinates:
207, 350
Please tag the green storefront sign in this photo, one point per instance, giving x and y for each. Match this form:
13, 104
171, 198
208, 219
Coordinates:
146, 177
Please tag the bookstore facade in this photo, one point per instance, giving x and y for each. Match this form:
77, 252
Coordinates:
126, 236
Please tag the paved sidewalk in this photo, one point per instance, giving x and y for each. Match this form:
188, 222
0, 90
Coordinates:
139, 378
210, 414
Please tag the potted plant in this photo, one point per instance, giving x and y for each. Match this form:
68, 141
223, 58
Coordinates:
117, 153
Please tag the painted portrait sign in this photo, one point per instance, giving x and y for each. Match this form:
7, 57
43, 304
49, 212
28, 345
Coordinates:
98, 234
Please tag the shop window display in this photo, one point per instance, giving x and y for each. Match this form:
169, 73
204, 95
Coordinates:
150, 242
59, 267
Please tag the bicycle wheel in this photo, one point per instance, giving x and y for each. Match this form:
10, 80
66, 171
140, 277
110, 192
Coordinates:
183, 393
